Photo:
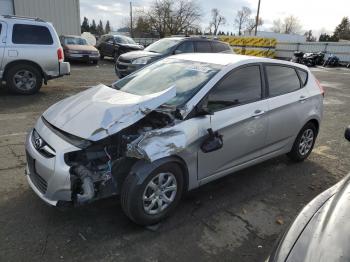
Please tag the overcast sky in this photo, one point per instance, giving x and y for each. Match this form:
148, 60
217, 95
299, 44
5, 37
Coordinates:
317, 15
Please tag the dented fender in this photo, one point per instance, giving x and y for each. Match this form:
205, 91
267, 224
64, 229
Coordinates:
143, 168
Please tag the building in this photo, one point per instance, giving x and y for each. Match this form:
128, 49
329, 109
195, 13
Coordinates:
63, 14
281, 38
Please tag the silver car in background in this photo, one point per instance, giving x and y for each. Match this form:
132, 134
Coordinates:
30, 54
171, 127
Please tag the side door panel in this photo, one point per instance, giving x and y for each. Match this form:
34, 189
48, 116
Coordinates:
287, 113
243, 125
244, 136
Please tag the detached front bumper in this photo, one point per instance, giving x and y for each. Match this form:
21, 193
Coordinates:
49, 177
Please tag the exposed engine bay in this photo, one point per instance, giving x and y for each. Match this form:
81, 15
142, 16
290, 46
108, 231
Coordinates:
99, 170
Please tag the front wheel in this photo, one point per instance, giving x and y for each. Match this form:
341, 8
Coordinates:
149, 202
304, 143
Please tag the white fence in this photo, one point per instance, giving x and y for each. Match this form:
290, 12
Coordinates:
340, 49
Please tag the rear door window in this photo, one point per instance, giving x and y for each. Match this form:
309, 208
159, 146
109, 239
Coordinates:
31, 34
220, 47
203, 47
282, 79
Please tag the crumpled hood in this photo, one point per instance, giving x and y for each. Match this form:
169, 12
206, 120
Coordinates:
102, 111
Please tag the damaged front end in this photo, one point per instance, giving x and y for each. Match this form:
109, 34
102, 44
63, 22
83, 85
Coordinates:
98, 171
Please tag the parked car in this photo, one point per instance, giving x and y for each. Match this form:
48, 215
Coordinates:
320, 232
132, 61
76, 48
115, 45
171, 127
30, 54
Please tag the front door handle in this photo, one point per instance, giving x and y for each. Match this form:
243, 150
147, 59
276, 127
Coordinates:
258, 113
302, 99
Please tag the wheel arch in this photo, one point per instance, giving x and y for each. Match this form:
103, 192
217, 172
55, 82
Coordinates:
315, 122
23, 62
143, 168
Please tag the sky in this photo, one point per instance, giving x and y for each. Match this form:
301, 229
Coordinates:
317, 15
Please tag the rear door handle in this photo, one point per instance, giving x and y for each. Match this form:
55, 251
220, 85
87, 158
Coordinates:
258, 113
302, 99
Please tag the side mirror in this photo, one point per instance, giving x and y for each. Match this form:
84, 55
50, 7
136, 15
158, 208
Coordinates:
347, 133
213, 142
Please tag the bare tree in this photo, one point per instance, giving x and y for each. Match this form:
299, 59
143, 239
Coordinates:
252, 24
216, 20
173, 17
242, 18
290, 25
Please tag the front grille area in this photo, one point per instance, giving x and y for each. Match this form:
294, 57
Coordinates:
37, 180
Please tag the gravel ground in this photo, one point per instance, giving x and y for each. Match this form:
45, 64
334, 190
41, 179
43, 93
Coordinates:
236, 218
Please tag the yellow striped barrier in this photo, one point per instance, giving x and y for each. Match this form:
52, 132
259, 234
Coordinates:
253, 46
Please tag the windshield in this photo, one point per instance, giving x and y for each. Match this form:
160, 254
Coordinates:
124, 40
187, 76
162, 46
74, 41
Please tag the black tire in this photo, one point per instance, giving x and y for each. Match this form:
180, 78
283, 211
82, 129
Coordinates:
95, 62
102, 57
132, 195
295, 153
34, 74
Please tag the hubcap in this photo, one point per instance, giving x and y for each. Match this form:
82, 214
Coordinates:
159, 193
306, 142
24, 80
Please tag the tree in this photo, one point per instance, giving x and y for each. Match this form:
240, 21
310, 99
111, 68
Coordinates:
252, 24
242, 18
290, 25
309, 36
171, 17
107, 27
342, 31
85, 25
216, 20
326, 38
99, 29
93, 28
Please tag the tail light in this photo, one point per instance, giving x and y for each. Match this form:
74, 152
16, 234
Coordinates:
60, 54
320, 87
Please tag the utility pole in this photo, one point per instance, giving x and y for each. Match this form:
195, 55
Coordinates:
131, 29
257, 19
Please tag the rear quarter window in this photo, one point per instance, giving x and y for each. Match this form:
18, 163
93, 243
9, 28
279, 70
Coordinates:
31, 34
282, 79
303, 76
0, 28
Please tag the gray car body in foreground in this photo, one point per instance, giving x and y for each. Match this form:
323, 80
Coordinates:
251, 132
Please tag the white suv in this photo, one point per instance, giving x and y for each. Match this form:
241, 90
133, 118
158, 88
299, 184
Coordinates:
30, 54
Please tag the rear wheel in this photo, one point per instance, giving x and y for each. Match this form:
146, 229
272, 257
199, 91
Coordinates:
304, 143
24, 79
156, 197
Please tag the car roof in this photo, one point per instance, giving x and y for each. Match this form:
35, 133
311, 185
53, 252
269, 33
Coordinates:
194, 38
230, 59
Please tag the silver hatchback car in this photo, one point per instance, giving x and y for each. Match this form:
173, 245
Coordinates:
171, 127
